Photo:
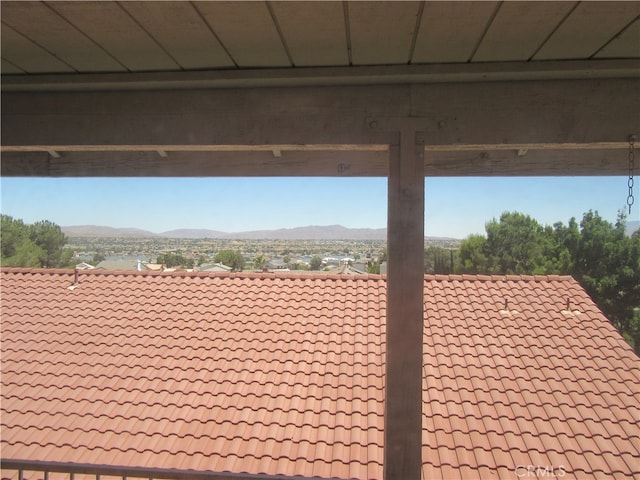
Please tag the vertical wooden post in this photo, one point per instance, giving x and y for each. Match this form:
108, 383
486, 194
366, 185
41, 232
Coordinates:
405, 284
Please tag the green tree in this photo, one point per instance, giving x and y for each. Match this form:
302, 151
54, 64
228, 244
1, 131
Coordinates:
171, 259
473, 255
230, 258
565, 241
373, 267
98, 257
14, 233
438, 260
607, 265
516, 244
38, 245
316, 263
49, 237
259, 262
25, 254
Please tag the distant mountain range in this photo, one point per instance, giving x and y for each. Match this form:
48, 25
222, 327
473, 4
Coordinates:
311, 232
99, 231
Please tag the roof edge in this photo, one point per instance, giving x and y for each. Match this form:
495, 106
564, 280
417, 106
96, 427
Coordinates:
195, 274
496, 278
290, 275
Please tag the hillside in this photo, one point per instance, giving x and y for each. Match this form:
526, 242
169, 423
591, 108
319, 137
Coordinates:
101, 231
311, 232
193, 233
314, 232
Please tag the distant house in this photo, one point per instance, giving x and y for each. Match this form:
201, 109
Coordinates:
278, 270
360, 265
122, 264
346, 269
130, 263
154, 267
336, 261
275, 264
213, 267
253, 375
84, 266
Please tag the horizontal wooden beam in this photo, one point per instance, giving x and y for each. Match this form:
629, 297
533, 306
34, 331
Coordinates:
197, 148
328, 76
569, 127
527, 162
516, 113
330, 116
269, 163
195, 164
523, 147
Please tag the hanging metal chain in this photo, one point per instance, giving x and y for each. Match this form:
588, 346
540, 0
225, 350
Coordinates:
630, 198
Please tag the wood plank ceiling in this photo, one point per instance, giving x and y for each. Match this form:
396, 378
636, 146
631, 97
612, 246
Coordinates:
90, 37
465, 63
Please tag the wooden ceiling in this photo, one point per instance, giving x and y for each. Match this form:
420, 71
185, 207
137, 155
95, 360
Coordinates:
90, 37
491, 88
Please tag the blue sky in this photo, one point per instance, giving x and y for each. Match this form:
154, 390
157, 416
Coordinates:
455, 207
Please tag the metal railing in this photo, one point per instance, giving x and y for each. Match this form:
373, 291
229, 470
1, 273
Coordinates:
72, 469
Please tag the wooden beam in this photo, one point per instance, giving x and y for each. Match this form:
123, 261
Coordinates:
530, 146
340, 163
248, 117
466, 117
526, 162
327, 76
197, 148
56, 162
405, 285
514, 113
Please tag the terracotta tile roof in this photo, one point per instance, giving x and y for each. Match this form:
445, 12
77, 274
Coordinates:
284, 374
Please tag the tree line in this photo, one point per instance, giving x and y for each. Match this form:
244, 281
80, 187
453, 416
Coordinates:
598, 254
40, 244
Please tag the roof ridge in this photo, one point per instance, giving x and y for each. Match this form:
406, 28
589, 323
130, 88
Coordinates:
497, 277
195, 274
37, 270
292, 275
